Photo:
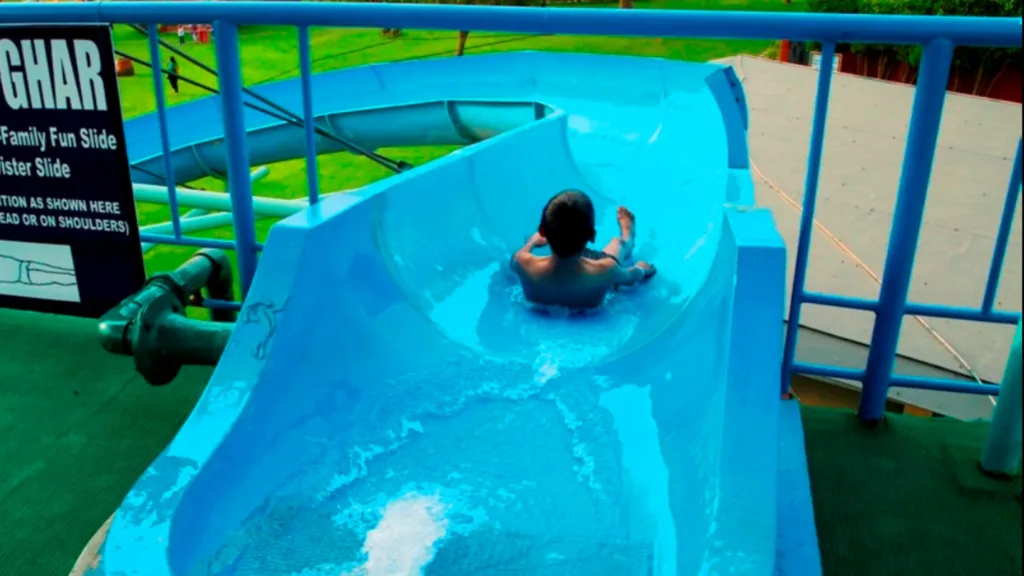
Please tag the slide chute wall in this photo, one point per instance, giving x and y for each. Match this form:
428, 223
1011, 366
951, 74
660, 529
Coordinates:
358, 314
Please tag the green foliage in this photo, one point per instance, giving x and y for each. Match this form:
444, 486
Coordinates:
834, 6
980, 60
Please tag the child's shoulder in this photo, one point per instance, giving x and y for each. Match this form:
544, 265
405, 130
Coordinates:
529, 263
601, 266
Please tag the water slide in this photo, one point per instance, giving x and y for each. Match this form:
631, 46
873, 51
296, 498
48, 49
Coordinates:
390, 405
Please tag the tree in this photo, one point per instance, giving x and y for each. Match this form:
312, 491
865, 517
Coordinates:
460, 48
980, 63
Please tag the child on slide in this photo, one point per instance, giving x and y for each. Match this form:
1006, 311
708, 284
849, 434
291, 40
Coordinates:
574, 275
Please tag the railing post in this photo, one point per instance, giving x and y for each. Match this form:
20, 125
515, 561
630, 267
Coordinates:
803, 245
165, 138
995, 269
922, 137
239, 186
306, 66
1002, 449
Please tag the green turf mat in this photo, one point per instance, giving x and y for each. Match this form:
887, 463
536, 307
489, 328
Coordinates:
78, 427
908, 499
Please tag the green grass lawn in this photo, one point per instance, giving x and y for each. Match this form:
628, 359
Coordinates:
271, 53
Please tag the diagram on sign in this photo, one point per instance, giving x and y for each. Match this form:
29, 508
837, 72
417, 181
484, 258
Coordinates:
32, 270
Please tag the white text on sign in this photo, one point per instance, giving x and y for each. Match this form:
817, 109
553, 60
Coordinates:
38, 75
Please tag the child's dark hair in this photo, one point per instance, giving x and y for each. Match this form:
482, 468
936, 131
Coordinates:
568, 223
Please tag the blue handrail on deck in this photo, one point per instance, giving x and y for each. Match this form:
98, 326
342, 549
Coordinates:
803, 243
939, 35
165, 141
922, 138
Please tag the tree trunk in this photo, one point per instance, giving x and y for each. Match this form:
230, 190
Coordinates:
978, 78
995, 80
460, 48
982, 69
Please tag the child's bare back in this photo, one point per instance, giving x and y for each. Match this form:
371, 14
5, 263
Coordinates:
575, 275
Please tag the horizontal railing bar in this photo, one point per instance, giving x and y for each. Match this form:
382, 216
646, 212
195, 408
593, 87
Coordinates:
836, 301
867, 28
916, 382
958, 313
914, 309
190, 241
828, 371
943, 385
214, 304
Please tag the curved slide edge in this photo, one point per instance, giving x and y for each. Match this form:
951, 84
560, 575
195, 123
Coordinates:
750, 444
399, 104
156, 530
159, 490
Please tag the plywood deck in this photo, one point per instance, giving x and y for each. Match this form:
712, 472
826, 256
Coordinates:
865, 142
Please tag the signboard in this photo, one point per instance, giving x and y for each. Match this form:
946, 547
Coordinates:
837, 61
69, 237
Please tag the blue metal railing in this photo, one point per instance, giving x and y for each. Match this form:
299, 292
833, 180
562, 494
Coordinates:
938, 35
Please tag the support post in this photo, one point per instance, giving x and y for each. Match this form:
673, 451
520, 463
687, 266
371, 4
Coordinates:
922, 136
803, 245
995, 269
1001, 456
239, 186
306, 66
165, 140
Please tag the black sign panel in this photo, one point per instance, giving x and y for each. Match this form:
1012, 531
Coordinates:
69, 236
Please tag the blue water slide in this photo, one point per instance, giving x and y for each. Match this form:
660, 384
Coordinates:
390, 404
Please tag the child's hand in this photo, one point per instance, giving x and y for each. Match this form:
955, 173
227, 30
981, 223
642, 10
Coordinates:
538, 240
645, 266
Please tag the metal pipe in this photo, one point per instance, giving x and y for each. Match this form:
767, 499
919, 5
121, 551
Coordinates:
195, 242
1003, 236
255, 176
165, 138
151, 325
217, 201
944, 385
259, 174
803, 248
854, 28
1001, 456
277, 111
203, 221
239, 187
169, 227
914, 308
828, 371
918, 158
200, 220
306, 65
194, 224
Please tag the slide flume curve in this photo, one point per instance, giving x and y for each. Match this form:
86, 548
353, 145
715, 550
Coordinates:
390, 404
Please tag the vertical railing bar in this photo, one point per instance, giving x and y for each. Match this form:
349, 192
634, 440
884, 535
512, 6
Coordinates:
918, 158
165, 139
811, 180
306, 65
239, 185
995, 270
